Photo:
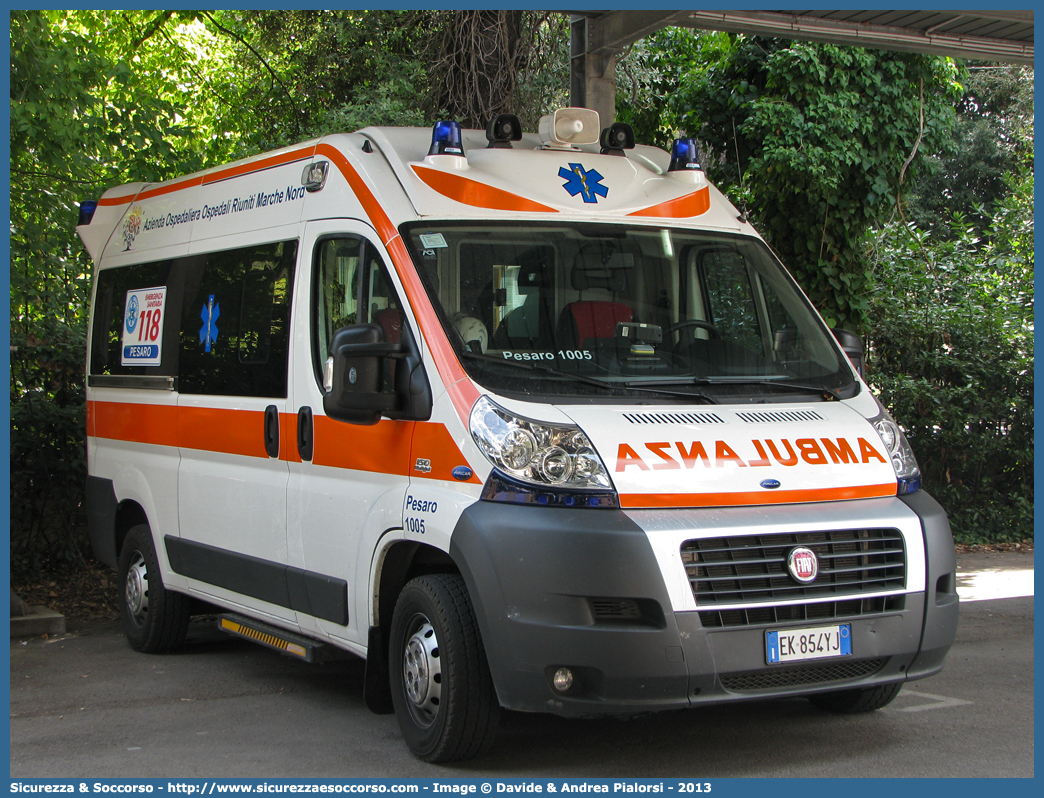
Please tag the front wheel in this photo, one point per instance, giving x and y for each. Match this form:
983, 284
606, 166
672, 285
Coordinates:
851, 702
154, 619
442, 691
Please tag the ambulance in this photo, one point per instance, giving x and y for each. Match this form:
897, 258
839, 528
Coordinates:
532, 421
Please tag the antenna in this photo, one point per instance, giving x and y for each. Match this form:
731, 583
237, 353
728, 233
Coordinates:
739, 168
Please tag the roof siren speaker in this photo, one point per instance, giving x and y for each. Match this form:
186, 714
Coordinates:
568, 128
502, 130
616, 138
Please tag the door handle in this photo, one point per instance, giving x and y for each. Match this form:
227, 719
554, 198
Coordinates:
304, 433
272, 431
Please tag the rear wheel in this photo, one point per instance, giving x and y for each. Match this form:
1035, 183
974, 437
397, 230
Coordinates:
851, 702
154, 619
441, 687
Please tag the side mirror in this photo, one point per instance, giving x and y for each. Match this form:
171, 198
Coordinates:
356, 394
854, 348
372, 378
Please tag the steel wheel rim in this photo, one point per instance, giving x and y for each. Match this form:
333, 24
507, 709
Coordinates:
422, 671
136, 594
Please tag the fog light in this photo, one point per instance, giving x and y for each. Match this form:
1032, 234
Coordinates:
563, 680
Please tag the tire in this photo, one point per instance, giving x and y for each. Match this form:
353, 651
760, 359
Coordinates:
441, 688
851, 702
154, 619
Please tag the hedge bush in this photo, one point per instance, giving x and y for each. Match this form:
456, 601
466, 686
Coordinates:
951, 355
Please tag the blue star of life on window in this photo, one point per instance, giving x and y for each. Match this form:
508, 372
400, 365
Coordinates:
583, 182
208, 333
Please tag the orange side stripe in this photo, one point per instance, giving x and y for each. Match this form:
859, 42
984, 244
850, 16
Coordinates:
749, 498
434, 443
476, 194
388, 447
681, 208
383, 448
288, 438
123, 421
219, 430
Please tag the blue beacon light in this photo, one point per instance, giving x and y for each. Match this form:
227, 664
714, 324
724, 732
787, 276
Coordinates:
87, 209
446, 139
684, 156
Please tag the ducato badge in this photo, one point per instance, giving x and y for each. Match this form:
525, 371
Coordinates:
803, 564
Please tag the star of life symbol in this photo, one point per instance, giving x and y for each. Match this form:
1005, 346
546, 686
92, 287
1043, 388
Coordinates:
583, 182
132, 313
208, 333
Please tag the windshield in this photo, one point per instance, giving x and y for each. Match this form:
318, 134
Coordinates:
614, 310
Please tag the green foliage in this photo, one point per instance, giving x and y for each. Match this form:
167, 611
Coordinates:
651, 75
313, 72
821, 134
97, 98
952, 357
994, 138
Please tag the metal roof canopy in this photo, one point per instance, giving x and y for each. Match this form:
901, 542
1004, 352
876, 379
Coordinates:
598, 36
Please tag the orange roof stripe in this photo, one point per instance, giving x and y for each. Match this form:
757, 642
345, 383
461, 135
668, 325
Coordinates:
479, 195
681, 208
212, 177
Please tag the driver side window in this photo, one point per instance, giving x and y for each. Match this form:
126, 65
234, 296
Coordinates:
351, 286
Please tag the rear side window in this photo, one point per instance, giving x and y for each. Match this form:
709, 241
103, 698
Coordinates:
225, 320
110, 315
235, 322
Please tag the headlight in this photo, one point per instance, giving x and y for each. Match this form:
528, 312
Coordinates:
907, 473
542, 463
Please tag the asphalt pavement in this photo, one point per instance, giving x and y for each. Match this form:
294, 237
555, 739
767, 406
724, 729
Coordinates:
86, 705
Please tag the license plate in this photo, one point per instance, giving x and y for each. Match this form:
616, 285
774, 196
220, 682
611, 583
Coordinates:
792, 645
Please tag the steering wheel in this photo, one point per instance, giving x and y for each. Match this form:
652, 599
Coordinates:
703, 325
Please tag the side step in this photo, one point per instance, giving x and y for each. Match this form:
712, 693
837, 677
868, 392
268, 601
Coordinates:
279, 639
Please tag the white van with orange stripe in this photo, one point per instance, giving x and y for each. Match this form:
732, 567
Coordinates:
533, 421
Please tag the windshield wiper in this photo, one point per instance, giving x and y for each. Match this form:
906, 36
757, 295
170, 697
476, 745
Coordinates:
617, 387
826, 393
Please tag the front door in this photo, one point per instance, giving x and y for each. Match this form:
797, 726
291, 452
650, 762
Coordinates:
347, 481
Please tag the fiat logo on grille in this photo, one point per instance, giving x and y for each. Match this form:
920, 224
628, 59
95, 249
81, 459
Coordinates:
802, 564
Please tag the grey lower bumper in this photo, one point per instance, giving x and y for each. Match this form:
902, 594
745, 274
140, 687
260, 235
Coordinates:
582, 589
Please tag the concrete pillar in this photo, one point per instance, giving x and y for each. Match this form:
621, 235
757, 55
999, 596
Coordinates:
592, 76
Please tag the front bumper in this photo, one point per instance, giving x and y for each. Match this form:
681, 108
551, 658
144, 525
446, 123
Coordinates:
585, 589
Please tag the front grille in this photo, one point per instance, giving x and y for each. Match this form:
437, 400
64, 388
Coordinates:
790, 613
752, 569
774, 678
615, 609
